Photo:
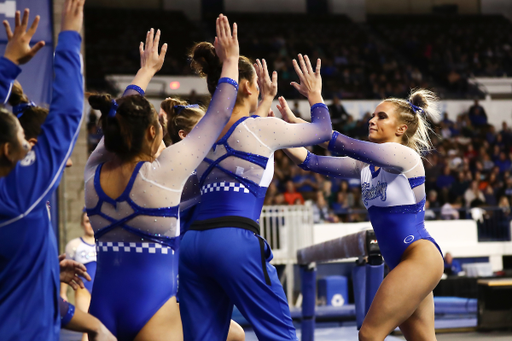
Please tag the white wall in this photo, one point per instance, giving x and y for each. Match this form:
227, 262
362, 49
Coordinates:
419, 7
355, 9
497, 7
269, 6
191, 8
123, 3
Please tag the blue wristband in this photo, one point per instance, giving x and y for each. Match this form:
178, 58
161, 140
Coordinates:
69, 315
305, 164
333, 140
228, 80
136, 88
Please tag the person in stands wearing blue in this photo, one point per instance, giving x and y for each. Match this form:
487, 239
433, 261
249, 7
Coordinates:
223, 259
393, 190
29, 267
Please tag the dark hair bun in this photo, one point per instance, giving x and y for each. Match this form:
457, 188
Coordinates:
204, 59
101, 102
17, 96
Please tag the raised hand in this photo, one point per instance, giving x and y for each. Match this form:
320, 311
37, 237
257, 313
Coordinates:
226, 43
310, 80
18, 49
73, 15
268, 87
149, 57
287, 113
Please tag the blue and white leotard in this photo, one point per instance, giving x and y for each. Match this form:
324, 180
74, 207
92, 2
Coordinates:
81, 251
394, 194
137, 233
223, 260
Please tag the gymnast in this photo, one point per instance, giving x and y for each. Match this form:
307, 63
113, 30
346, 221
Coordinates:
132, 193
393, 190
223, 259
29, 269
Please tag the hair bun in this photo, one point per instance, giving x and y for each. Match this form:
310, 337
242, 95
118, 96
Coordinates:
101, 102
17, 96
421, 98
205, 61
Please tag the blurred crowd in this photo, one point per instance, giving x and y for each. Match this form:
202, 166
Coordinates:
383, 58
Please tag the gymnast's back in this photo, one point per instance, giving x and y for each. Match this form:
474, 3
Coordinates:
234, 176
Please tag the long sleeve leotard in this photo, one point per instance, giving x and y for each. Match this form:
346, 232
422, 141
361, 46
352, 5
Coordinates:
392, 184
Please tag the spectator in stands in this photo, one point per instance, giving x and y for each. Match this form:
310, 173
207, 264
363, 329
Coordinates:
321, 211
341, 205
477, 115
451, 266
446, 120
339, 115
445, 180
305, 183
429, 213
432, 198
450, 209
460, 185
473, 193
490, 196
506, 133
291, 195
503, 162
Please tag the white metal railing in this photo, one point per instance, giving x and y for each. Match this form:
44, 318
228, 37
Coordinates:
287, 229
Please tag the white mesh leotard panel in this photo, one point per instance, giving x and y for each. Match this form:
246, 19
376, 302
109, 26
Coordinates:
159, 184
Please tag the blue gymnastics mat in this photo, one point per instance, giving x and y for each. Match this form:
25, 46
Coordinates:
463, 307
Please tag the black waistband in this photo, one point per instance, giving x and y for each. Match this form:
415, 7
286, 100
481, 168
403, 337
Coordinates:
227, 221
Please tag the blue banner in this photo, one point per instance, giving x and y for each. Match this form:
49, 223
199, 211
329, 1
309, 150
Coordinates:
37, 74
43, 8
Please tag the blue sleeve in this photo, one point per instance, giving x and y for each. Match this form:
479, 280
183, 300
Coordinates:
67, 311
36, 176
336, 167
8, 73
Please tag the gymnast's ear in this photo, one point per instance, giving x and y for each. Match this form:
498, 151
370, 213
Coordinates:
245, 87
401, 129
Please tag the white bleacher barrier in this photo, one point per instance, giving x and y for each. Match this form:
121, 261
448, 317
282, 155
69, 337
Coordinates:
287, 229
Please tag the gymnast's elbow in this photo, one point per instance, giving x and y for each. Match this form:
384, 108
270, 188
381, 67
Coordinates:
324, 134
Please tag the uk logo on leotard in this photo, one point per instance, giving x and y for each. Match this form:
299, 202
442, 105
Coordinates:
408, 239
29, 159
374, 192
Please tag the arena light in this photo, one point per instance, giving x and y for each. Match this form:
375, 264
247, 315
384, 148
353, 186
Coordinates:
174, 85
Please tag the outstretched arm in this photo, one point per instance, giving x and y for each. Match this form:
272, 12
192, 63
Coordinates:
189, 152
391, 156
336, 167
278, 134
150, 63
